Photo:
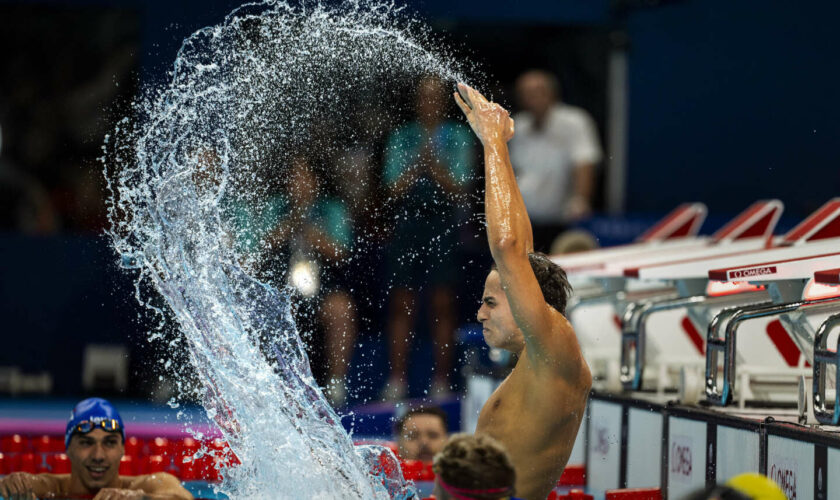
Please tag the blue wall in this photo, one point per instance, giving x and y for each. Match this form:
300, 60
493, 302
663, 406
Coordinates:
729, 101
734, 101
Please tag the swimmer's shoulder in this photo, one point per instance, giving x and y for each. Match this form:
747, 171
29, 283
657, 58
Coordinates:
561, 358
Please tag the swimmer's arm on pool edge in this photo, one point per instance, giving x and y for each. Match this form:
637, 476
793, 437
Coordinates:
549, 338
158, 486
26, 485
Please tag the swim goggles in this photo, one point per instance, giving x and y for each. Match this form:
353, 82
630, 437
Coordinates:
107, 424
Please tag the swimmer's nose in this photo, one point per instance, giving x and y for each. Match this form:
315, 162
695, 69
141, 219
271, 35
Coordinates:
98, 453
481, 316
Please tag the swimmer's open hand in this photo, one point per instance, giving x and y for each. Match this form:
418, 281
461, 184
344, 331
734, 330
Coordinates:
489, 121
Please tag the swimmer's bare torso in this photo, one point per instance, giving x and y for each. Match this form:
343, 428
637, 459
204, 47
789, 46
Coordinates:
537, 410
537, 417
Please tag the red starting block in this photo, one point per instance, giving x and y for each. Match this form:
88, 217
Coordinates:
573, 475
634, 494
415, 470
575, 494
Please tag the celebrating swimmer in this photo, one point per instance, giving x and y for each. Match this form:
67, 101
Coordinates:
537, 409
95, 442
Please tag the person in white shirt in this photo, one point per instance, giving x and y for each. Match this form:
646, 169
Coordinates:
554, 153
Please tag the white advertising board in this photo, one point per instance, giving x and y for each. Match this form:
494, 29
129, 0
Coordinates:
479, 390
686, 456
603, 445
833, 473
790, 463
737, 452
644, 448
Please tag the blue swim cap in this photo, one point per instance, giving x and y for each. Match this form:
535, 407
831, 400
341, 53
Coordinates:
90, 414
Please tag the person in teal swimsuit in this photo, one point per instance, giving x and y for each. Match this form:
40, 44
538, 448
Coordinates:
428, 164
300, 237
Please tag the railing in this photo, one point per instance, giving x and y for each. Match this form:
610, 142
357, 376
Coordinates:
822, 358
732, 318
634, 331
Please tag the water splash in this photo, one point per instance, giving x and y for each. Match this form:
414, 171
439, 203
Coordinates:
245, 96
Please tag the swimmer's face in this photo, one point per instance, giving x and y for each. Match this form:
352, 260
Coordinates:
95, 459
498, 326
423, 436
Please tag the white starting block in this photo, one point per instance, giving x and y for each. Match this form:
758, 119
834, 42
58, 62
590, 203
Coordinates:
594, 315
642, 439
678, 229
812, 237
787, 281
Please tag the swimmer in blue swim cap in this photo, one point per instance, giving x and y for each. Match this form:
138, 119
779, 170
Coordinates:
95, 443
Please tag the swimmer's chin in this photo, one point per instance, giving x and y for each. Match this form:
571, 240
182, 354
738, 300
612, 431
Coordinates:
492, 340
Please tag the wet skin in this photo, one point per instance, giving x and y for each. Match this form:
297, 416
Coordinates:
537, 410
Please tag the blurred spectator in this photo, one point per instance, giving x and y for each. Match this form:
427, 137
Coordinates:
554, 152
427, 162
70, 75
573, 241
304, 234
24, 204
473, 467
421, 433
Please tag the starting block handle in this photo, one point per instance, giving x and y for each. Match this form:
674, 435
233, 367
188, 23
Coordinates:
822, 358
634, 337
728, 345
715, 346
631, 375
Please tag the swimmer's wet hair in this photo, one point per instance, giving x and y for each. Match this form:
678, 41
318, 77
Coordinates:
422, 410
475, 462
552, 278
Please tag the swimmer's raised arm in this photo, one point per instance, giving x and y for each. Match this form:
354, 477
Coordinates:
549, 338
494, 128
